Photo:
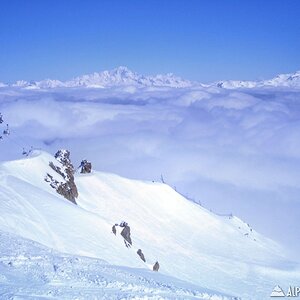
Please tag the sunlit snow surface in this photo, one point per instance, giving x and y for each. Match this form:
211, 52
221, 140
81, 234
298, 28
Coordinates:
192, 244
29, 270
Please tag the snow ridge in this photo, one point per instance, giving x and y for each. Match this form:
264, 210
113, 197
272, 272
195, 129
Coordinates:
291, 80
187, 240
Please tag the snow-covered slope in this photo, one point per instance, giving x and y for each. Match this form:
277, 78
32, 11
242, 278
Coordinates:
190, 243
233, 84
287, 80
29, 270
49, 83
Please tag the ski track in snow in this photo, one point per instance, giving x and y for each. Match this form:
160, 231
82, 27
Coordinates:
31, 271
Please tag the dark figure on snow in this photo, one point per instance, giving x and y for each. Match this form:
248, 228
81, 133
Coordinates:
6, 131
123, 224
26, 153
156, 267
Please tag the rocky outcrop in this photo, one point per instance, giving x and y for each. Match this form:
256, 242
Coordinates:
156, 267
67, 188
86, 167
141, 255
53, 182
114, 230
125, 233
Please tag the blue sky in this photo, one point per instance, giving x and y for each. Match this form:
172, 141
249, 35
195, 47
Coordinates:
199, 40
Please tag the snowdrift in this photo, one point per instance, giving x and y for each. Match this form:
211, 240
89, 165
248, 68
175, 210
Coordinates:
190, 243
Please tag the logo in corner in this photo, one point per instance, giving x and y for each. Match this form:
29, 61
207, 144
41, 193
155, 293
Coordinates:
277, 292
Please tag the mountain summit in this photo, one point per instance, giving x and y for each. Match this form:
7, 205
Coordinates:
291, 80
123, 76
120, 76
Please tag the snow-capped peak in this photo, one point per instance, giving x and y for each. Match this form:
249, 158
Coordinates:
49, 83
288, 80
281, 80
118, 76
21, 83
121, 76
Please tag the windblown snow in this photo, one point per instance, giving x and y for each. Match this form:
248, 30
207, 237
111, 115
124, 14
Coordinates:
53, 248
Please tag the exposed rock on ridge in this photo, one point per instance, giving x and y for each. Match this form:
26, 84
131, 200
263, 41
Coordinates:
67, 188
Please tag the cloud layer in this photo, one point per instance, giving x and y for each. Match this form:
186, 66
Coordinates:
233, 150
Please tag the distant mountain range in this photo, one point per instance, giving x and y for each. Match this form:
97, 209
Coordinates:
282, 80
122, 76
